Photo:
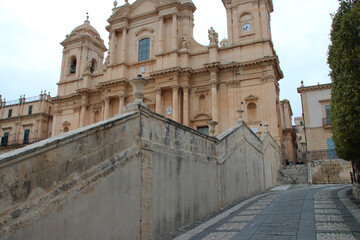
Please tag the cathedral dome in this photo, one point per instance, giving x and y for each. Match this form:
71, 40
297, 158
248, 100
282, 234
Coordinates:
86, 28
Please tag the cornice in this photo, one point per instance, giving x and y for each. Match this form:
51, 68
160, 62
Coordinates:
25, 117
112, 83
67, 97
314, 88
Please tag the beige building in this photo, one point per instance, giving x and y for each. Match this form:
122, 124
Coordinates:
300, 139
25, 121
189, 83
288, 132
316, 111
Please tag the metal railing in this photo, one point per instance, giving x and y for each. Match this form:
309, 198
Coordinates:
326, 122
325, 154
19, 143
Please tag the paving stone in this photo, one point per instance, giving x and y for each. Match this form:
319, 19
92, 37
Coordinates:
329, 206
220, 236
327, 211
250, 212
335, 236
333, 226
242, 218
232, 226
327, 218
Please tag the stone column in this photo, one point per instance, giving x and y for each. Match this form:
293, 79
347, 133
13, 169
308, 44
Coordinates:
107, 108
122, 97
41, 135
186, 106
236, 25
112, 46
214, 98
123, 44
174, 30
158, 100
161, 34
175, 89
231, 107
230, 25
83, 115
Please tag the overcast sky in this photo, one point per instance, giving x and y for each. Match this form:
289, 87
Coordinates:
31, 32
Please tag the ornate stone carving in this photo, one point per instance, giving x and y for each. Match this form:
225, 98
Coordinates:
268, 78
232, 83
158, 90
184, 42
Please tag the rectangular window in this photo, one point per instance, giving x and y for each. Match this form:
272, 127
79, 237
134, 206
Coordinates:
30, 110
144, 49
10, 113
26, 136
5, 140
331, 149
203, 130
327, 113
300, 138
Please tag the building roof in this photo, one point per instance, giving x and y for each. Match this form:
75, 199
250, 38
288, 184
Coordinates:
86, 28
314, 88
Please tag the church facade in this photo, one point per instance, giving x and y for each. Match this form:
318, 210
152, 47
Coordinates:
188, 82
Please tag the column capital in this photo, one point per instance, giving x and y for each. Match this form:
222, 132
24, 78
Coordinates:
175, 87
106, 99
158, 90
185, 88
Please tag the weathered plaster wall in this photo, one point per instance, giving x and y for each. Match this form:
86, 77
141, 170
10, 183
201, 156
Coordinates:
331, 171
137, 176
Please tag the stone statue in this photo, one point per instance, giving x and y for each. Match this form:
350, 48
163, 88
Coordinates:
88, 67
184, 41
213, 36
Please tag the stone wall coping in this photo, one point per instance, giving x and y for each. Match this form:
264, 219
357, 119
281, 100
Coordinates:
53, 140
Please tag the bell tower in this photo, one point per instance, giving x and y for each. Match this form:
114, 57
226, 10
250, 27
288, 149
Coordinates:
83, 54
248, 20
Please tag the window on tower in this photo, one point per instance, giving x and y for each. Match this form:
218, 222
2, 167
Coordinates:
93, 66
73, 65
144, 49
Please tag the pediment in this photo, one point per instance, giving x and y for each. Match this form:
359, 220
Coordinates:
251, 98
138, 8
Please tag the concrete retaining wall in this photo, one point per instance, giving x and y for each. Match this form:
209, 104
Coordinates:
137, 176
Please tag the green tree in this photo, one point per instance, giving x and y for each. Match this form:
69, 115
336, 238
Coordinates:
344, 62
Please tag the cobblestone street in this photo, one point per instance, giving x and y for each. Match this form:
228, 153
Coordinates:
287, 212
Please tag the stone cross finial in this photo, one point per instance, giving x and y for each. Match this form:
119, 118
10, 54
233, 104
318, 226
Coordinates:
241, 113
212, 125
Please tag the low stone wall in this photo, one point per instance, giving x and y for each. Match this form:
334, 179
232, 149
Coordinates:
331, 171
137, 176
295, 174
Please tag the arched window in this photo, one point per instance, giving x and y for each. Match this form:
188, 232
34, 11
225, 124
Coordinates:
144, 49
73, 65
93, 66
252, 112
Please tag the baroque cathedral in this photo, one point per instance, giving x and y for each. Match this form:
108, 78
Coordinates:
188, 82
